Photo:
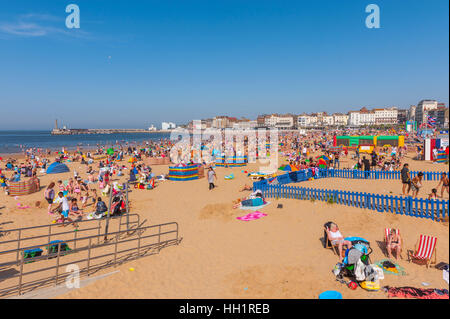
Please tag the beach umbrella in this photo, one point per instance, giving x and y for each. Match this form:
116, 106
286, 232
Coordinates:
288, 168
324, 158
322, 163
110, 151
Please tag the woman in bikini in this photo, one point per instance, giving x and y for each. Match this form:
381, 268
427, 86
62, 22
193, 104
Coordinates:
444, 181
74, 210
394, 244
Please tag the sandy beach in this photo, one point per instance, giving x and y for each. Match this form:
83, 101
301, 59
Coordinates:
278, 256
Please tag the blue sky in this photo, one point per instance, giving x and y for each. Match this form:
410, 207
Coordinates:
136, 63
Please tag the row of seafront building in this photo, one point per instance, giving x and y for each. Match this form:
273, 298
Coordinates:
362, 117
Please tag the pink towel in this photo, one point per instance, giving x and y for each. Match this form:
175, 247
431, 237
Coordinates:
252, 216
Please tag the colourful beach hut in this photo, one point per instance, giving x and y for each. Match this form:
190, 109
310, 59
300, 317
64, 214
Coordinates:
57, 168
183, 172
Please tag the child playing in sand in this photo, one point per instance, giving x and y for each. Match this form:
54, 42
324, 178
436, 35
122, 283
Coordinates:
433, 194
3, 182
61, 186
64, 209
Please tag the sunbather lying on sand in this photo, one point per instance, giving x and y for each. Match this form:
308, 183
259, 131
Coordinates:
248, 201
245, 188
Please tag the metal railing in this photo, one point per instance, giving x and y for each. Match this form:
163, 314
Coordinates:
135, 247
21, 238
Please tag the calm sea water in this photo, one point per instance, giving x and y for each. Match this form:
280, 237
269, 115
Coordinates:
16, 141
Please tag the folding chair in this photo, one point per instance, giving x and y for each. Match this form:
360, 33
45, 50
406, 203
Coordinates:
327, 241
424, 249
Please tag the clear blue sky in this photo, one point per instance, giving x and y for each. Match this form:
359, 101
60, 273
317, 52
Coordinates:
134, 63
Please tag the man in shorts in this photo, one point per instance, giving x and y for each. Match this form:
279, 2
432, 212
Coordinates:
406, 179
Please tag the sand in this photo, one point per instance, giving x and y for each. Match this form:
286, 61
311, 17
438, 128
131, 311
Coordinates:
278, 256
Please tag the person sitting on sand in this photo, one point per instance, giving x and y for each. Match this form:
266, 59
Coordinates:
247, 201
245, 188
100, 208
433, 194
336, 239
74, 210
394, 244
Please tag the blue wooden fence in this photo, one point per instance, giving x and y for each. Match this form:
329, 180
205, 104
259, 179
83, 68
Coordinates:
417, 207
304, 175
359, 174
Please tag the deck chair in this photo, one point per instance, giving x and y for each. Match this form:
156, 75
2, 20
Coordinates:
425, 249
387, 231
327, 242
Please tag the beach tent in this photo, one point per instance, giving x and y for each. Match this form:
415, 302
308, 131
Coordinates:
110, 151
57, 168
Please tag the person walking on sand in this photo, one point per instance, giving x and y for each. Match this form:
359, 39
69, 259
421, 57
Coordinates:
444, 181
406, 179
416, 184
49, 195
211, 176
366, 164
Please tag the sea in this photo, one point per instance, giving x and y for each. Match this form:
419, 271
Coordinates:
17, 141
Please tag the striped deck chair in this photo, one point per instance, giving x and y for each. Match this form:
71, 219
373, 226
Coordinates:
425, 249
387, 231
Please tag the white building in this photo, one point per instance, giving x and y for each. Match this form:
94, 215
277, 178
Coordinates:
279, 121
361, 117
152, 128
245, 125
386, 116
340, 119
307, 120
167, 126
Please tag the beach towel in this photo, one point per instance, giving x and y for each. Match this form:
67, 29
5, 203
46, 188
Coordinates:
418, 293
254, 207
252, 216
395, 270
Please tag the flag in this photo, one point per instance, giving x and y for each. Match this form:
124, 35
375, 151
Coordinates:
431, 121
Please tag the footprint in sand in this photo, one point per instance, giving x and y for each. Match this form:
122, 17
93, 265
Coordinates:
222, 212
